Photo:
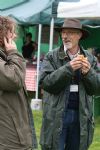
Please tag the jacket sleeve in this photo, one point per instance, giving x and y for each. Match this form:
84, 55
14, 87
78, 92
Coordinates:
53, 79
12, 72
92, 79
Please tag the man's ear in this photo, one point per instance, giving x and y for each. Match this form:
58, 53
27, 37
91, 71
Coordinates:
80, 35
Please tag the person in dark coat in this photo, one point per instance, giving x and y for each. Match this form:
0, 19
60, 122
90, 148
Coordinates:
29, 48
17, 130
69, 80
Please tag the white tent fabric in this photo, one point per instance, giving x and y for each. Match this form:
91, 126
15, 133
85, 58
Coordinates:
84, 9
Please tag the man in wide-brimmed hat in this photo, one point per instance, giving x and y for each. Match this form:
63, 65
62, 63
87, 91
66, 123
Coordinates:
73, 24
69, 79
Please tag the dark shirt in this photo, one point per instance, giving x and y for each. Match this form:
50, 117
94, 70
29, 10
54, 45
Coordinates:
73, 102
28, 50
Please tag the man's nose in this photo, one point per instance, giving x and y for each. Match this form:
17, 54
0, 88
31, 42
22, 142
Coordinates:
65, 35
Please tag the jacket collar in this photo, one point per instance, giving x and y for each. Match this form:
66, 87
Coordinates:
62, 55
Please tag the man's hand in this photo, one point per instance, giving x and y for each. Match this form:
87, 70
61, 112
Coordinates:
81, 63
76, 63
85, 66
9, 44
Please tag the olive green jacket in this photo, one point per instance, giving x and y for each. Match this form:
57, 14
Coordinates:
55, 77
16, 124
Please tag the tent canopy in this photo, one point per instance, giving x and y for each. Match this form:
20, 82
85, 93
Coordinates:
26, 11
81, 9
29, 12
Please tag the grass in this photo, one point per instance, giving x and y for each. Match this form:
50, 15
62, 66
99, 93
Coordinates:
37, 120
96, 141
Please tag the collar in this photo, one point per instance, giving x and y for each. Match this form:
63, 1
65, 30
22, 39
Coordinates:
73, 56
62, 55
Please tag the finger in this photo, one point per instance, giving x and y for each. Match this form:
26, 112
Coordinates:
86, 65
76, 66
85, 60
77, 63
10, 41
85, 69
77, 59
5, 41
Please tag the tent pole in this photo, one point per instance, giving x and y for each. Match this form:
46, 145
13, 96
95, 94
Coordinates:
38, 59
51, 34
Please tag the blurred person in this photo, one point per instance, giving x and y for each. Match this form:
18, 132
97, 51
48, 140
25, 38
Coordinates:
97, 54
29, 48
98, 57
16, 122
69, 80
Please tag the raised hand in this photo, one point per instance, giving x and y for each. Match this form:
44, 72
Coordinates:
76, 63
9, 44
85, 66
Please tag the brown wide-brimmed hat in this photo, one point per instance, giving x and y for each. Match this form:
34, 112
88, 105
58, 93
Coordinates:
73, 24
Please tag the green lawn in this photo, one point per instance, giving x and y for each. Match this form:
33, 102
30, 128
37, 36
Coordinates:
37, 120
96, 142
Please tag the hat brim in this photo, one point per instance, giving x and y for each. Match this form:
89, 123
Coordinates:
85, 33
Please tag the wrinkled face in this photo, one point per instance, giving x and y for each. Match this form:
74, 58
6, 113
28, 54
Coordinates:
71, 37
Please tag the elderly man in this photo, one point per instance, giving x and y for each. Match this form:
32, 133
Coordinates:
69, 79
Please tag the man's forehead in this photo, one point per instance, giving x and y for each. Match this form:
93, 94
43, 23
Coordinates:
70, 29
